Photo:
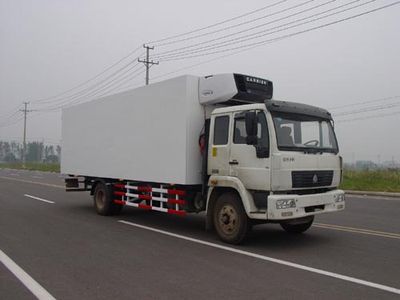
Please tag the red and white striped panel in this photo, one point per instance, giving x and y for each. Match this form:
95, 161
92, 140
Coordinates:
126, 192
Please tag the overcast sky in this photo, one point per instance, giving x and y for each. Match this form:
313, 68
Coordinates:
49, 46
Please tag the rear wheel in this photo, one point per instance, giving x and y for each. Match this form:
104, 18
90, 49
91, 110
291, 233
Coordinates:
296, 227
103, 200
230, 219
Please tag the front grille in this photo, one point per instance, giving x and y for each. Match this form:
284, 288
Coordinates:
305, 179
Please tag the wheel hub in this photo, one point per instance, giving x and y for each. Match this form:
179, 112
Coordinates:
225, 219
228, 219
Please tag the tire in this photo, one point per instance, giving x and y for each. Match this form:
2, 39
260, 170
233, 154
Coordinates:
103, 200
230, 219
298, 228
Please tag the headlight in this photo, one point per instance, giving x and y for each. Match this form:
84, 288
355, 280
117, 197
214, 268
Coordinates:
286, 203
338, 197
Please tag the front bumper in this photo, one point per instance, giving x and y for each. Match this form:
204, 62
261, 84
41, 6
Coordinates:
306, 205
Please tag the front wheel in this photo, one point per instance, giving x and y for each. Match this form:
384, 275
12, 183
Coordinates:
230, 219
296, 228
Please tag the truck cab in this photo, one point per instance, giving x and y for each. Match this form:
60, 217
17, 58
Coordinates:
274, 161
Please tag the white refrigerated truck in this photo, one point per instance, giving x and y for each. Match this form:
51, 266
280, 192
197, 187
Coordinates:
217, 144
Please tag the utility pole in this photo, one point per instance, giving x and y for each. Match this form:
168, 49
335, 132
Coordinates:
25, 111
147, 62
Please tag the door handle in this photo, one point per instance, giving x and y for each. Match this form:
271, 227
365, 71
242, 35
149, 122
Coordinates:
234, 162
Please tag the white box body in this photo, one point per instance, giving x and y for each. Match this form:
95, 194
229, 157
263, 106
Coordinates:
146, 134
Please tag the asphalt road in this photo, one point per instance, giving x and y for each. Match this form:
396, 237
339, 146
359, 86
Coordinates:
70, 252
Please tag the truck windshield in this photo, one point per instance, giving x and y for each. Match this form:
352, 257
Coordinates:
295, 132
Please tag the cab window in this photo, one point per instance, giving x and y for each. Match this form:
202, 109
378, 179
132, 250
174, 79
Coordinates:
239, 134
221, 130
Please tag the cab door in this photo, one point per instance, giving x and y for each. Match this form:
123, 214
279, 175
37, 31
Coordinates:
219, 149
250, 163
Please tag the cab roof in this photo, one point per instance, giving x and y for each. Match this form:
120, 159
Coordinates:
280, 106
297, 108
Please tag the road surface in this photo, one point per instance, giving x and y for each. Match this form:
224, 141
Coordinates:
53, 244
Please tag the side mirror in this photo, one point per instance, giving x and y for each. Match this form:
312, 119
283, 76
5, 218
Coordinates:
251, 127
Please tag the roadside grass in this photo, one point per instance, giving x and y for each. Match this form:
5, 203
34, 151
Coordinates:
37, 166
377, 181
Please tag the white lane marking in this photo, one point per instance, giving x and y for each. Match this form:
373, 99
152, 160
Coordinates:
271, 259
24, 277
33, 182
358, 230
40, 199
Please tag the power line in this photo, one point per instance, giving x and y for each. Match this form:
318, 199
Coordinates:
367, 109
227, 43
92, 78
125, 87
9, 117
105, 84
237, 25
216, 24
10, 120
129, 66
268, 41
54, 97
100, 86
368, 117
195, 65
105, 89
364, 102
122, 82
86, 93
255, 45
255, 34
13, 122
148, 63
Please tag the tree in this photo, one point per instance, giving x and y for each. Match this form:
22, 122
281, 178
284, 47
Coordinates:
15, 148
52, 159
2, 154
7, 148
34, 151
10, 157
58, 150
9, 151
